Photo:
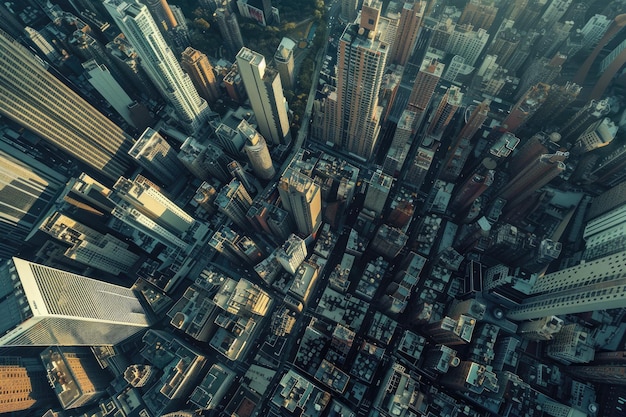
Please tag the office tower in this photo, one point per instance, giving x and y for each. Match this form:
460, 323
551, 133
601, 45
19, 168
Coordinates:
461, 148
43, 306
424, 86
525, 107
400, 144
419, 167
258, 10
266, 97
479, 14
589, 286
532, 177
37, 101
25, 384
236, 171
609, 170
540, 143
229, 138
349, 10
145, 197
257, 152
613, 29
605, 235
160, 63
528, 18
554, 40
542, 70
302, 198
234, 201
466, 42
161, 13
559, 99
152, 152
448, 105
197, 65
205, 160
572, 345
408, 30
555, 11
585, 117
542, 329
473, 186
102, 80
360, 67
504, 45
292, 253
205, 198
27, 187
229, 29
598, 135
283, 59
75, 375
594, 30
89, 247
378, 189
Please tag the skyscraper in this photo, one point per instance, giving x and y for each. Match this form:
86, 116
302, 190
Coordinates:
256, 149
43, 306
424, 86
448, 105
283, 59
36, 100
27, 187
153, 153
460, 150
408, 29
589, 286
234, 201
360, 69
525, 107
229, 29
162, 13
160, 63
302, 198
28, 385
265, 92
197, 65
478, 13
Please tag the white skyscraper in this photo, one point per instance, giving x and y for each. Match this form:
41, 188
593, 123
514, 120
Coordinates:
43, 306
265, 92
137, 24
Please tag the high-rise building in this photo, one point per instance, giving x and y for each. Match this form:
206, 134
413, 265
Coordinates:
468, 43
360, 68
378, 189
594, 30
448, 105
162, 13
572, 345
558, 100
598, 135
75, 375
283, 59
460, 150
43, 306
478, 13
473, 186
229, 29
266, 97
555, 11
542, 329
89, 247
585, 117
542, 70
532, 177
525, 107
424, 85
145, 197
197, 65
27, 187
257, 152
234, 201
302, 198
349, 10
589, 286
152, 152
26, 384
606, 234
39, 102
292, 253
537, 145
160, 63
408, 30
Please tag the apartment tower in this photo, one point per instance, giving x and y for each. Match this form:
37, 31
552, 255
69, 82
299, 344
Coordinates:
159, 62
